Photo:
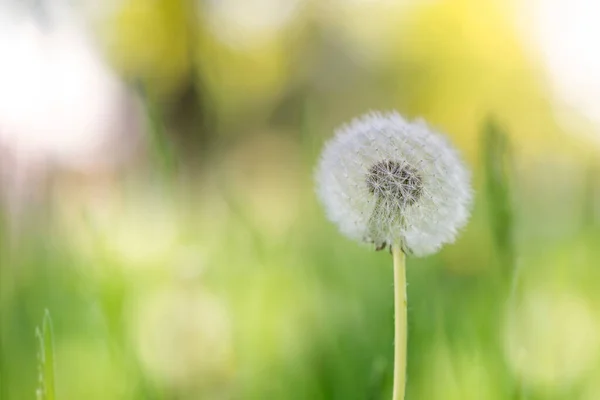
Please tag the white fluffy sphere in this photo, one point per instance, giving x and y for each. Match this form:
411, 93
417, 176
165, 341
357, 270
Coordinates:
385, 180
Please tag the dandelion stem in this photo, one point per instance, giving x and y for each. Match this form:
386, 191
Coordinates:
400, 325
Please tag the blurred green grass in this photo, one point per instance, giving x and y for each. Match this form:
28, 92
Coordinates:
225, 306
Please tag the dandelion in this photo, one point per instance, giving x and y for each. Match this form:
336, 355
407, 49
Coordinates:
397, 184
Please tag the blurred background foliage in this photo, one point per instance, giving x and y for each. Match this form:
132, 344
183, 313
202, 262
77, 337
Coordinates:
156, 172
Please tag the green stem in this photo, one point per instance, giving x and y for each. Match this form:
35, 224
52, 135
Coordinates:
400, 324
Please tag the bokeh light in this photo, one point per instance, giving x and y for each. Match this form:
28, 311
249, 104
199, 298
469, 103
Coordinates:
246, 24
552, 338
46, 110
184, 338
563, 34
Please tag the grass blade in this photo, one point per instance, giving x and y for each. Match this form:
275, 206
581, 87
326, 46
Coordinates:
46, 389
498, 163
499, 169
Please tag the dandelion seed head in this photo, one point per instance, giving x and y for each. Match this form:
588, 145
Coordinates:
393, 180
385, 180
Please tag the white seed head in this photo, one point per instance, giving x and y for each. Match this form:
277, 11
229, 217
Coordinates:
385, 180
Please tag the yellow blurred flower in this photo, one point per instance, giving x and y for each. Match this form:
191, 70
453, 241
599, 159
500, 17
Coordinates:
150, 40
243, 78
466, 62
